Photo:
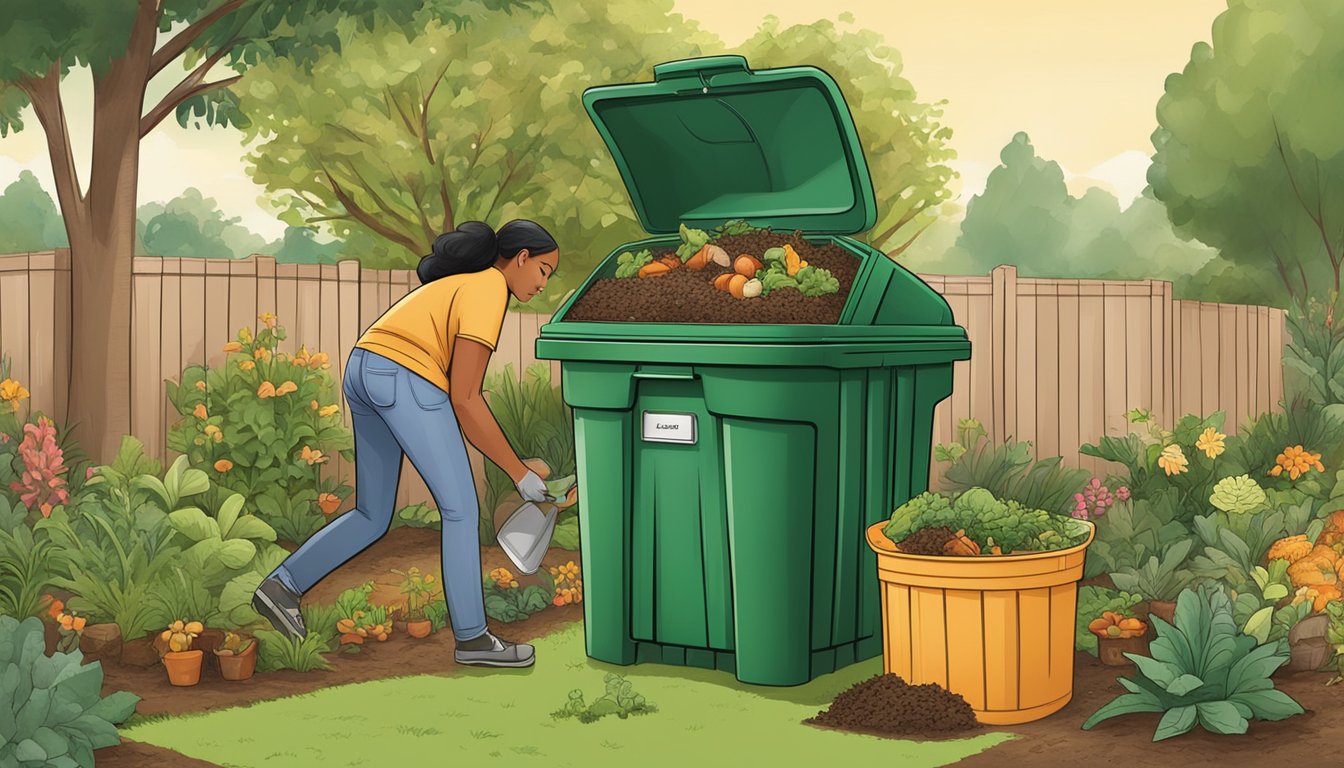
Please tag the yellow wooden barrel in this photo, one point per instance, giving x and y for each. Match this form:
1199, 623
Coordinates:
997, 630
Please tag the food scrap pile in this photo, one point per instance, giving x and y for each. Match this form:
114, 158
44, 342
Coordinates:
736, 273
886, 705
975, 523
1117, 625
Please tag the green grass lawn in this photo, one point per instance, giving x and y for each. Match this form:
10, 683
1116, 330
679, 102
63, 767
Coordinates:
504, 717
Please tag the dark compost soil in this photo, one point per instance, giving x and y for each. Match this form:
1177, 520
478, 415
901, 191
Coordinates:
926, 541
689, 296
886, 705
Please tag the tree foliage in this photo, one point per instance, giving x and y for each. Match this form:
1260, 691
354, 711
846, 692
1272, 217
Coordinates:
1249, 148
191, 225
400, 137
29, 220
903, 140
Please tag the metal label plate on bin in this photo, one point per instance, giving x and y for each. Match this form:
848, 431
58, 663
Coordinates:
669, 428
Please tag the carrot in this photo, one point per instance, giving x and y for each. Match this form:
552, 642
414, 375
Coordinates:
721, 282
735, 284
746, 264
700, 260
653, 269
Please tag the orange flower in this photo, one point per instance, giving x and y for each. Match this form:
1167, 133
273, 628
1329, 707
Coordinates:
200, 386
262, 353
246, 365
267, 389
314, 405
328, 503
267, 319
285, 388
66, 621
80, 622
1296, 461
233, 346
329, 410
199, 412
57, 607
311, 456
302, 357
223, 465
319, 360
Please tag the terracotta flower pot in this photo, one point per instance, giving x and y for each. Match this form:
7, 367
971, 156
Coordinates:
1163, 609
238, 666
184, 667
1112, 650
419, 628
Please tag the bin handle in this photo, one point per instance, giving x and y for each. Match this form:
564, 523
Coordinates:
667, 375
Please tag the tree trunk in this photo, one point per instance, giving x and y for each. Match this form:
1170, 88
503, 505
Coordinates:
101, 250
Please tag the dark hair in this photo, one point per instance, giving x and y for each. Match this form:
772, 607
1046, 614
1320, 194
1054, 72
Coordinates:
474, 247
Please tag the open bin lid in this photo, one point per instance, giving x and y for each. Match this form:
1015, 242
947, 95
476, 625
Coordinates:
710, 140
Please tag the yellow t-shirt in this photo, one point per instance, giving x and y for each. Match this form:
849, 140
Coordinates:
419, 330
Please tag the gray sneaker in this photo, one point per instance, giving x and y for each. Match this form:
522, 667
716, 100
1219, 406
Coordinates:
499, 653
280, 606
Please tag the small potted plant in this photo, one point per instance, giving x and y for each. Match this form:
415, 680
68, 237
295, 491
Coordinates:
1118, 634
417, 588
71, 627
237, 656
183, 663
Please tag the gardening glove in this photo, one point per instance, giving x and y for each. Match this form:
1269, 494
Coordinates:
532, 487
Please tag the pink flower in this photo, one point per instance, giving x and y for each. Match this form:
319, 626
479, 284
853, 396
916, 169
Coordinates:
88, 473
40, 485
1123, 493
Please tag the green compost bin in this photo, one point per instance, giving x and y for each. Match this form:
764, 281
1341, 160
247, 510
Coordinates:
727, 473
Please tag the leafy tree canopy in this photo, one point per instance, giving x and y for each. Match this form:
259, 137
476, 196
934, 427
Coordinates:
29, 220
1249, 146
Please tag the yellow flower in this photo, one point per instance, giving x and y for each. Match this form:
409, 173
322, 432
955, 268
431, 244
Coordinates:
245, 335
311, 456
285, 388
302, 357
314, 405
211, 429
267, 389
223, 465
329, 410
1211, 442
12, 392
247, 365
1296, 461
233, 346
1172, 460
267, 318
262, 353
319, 360
200, 386
199, 411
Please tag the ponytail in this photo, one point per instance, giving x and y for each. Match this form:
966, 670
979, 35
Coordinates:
475, 247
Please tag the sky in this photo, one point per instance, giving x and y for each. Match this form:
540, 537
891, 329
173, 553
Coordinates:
1082, 78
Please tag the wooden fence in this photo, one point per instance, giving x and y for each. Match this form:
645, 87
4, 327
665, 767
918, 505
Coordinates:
1057, 362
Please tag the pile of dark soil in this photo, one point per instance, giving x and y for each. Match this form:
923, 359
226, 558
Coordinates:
688, 296
926, 541
886, 705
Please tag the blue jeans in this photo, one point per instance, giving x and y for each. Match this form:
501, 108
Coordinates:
395, 410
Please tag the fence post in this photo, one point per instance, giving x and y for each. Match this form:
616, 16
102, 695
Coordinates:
1004, 351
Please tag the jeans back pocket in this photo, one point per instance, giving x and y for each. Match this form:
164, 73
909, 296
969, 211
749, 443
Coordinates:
428, 396
381, 385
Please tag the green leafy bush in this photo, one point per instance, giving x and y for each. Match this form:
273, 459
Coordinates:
987, 521
1093, 601
1256, 607
534, 417
262, 425
1313, 358
276, 652
1008, 471
118, 544
1201, 670
506, 601
29, 562
437, 613
1159, 578
51, 708
1184, 460
619, 699
1132, 532
1233, 548
1335, 636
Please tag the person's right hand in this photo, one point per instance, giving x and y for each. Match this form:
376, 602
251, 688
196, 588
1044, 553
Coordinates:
532, 487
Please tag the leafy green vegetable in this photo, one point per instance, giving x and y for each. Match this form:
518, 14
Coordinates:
773, 256
815, 281
692, 240
735, 227
1093, 601
1158, 579
1201, 670
628, 264
515, 604
774, 279
566, 534
988, 522
1008, 471
51, 710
